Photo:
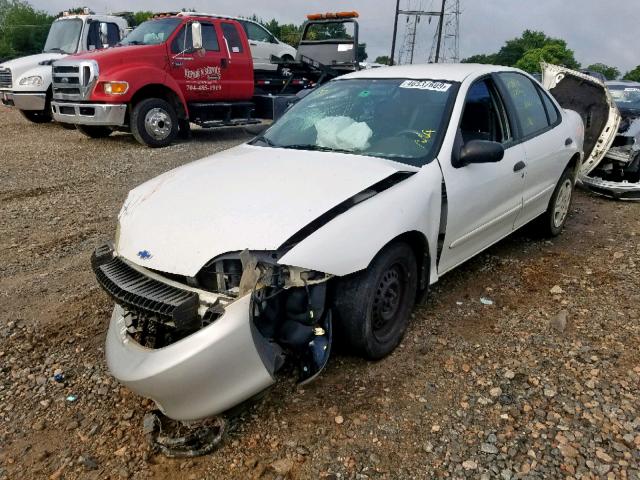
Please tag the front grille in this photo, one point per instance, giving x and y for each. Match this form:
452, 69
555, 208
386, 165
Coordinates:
74, 80
5, 78
146, 296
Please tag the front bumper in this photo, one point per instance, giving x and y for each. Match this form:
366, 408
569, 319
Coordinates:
617, 190
32, 101
100, 114
202, 375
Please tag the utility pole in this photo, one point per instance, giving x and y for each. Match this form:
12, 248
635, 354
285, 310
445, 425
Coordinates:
395, 32
440, 29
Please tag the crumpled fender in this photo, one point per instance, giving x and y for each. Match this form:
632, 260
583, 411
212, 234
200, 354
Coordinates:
349, 242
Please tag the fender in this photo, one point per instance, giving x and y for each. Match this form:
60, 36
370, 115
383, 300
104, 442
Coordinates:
349, 242
138, 78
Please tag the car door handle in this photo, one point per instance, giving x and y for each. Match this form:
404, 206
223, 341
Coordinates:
568, 142
253, 43
519, 166
224, 62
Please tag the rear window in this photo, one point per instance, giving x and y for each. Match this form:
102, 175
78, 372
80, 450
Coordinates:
233, 38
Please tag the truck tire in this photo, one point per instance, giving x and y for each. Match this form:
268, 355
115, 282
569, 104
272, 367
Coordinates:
93, 131
37, 116
552, 221
154, 122
373, 306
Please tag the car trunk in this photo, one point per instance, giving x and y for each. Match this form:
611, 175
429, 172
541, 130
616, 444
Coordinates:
590, 98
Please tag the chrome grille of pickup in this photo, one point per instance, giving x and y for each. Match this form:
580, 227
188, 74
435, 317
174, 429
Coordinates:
5, 78
74, 80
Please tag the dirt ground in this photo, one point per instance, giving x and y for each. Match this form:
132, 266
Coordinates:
506, 390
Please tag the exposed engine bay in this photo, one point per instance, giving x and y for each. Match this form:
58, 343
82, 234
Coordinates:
288, 306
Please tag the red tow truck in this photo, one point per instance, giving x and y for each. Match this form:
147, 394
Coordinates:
184, 68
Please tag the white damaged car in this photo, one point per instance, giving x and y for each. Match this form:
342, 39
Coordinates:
229, 270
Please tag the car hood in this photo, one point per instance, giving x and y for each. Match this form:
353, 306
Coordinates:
20, 66
248, 197
591, 98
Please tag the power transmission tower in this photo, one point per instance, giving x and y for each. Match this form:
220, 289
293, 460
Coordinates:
409, 43
450, 50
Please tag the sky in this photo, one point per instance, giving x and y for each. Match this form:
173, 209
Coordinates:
597, 31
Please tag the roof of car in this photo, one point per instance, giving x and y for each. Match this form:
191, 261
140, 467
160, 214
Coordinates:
453, 72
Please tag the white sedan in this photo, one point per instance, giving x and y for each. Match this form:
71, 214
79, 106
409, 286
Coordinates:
326, 226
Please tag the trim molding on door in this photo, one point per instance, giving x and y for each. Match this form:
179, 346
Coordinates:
467, 236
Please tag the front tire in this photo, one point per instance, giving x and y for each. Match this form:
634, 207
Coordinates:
154, 123
373, 306
553, 220
37, 116
94, 131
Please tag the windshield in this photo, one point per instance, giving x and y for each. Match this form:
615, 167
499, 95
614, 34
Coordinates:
64, 36
626, 97
402, 120
152, 32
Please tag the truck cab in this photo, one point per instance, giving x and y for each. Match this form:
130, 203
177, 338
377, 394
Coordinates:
169, 71
25, 83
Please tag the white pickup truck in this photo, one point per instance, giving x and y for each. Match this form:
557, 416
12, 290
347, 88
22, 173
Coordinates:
25, 83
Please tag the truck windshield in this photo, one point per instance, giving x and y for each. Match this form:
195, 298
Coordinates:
152, 32
63, 36
399, 119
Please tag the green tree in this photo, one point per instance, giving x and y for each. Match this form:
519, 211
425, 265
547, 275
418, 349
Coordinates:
610, 73
482, 58
140, 17
633, 75
23, 30
362, 52
527, 51
555, 53
383, 59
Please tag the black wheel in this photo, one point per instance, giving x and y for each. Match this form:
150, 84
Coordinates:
373, 306
553, 220
94, 131
37, 116
154, 122
287, 58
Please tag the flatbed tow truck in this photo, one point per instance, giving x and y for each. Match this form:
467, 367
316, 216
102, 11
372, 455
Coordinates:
189, 67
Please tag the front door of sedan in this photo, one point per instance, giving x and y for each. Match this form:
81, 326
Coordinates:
482, 200
262, 45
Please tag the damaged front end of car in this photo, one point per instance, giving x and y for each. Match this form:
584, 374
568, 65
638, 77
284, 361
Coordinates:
201, 345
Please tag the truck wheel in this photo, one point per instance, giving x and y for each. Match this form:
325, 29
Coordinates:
93, 131
37, 116
553, 220
154, 123
373, 306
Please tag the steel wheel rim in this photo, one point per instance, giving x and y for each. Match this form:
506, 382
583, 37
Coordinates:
158, 124
387, 301
563, 200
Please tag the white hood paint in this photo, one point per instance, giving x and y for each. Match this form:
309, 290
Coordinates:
247, 197
20, 66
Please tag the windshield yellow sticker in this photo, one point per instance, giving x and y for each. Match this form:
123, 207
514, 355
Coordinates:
424, 136
426, 85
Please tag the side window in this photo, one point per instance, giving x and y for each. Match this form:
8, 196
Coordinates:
257, 33
233, 37
210, 38
552, 111
528, 105
182, 42
484, 116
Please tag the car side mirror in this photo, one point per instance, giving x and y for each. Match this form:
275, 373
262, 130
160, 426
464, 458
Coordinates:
196, 35
479, 151
104, 34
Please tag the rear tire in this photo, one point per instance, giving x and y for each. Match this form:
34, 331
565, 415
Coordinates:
553, 220
37, 116
373, 306
94, 131
154, 123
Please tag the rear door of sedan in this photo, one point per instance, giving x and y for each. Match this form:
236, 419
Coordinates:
547, 145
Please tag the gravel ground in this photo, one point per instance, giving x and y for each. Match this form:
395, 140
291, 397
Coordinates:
542, 383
